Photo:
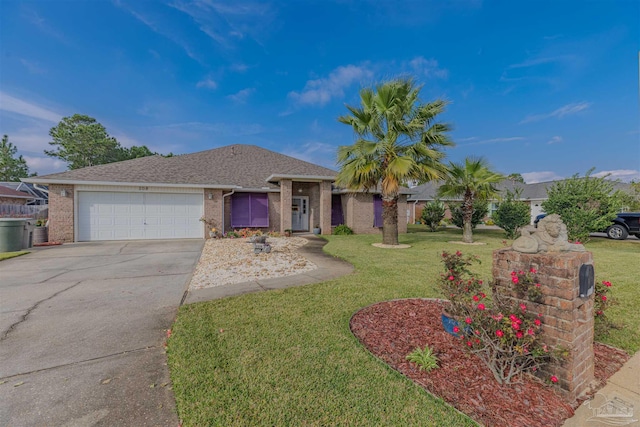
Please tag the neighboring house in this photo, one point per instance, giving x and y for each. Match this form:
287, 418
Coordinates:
232, 187
10, 196
40, 195
532, 194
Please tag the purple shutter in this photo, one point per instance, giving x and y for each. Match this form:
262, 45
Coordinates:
377, 211
249, 210
337, 217
259, 210
240, 210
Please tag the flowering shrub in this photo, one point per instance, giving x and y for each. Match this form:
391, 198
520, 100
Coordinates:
602, 324
507, 340
459, 284
526, 285
506, 337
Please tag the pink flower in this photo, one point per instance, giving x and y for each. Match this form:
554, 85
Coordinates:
554, 379
537, 322
533, 270
607, 284
515, 280
468, 320
499, 333
469, 343
476, 298
456, 329
481, 306
519, 334
531, 332
523, 307
498, 317
537, 285
604, 297
482, 294
515, 325
521, 273
513, 318
458, 253
451, 277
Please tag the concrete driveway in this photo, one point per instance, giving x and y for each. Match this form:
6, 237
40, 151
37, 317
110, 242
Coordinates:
82, 328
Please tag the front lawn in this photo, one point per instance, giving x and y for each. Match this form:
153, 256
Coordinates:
288, 357
7, 255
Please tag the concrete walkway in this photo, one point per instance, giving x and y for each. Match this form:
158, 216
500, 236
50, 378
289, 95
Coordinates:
328, 268
621, 393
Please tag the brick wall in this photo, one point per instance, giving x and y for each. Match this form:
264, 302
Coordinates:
12, 201
325, 207
567, 318
61, 213
286, 187
212, 209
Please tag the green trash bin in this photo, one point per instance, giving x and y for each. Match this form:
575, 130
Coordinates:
11, 233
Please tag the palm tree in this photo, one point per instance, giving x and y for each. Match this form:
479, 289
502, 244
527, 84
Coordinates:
397, 139
473, 180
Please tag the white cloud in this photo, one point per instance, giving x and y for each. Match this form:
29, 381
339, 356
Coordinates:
321, 91
45, 165
533, 177
32, 66
207, 83
241, 97
560, 113
624, 175
427, 67
24, 108
492, 140
555, 140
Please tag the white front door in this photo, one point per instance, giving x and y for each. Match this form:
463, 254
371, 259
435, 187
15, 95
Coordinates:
300, 213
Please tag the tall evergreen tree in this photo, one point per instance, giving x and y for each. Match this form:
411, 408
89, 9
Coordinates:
12, 167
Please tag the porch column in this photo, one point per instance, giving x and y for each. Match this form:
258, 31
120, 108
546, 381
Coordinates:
286, 186
325, 207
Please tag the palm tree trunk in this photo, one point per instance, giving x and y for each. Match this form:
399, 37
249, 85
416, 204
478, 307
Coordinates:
467, 216
390, 221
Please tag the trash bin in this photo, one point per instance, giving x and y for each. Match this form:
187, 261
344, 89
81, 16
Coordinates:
11, 234
27, 233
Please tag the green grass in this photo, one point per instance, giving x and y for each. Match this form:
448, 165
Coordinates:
7, 255
288, 357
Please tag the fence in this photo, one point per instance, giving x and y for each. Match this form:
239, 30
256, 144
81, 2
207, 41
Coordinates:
24, 211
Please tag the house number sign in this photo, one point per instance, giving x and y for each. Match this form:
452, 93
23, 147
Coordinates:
143, 188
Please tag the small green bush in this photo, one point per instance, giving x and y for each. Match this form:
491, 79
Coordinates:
342, 230
432, 214
424, 358
512, 215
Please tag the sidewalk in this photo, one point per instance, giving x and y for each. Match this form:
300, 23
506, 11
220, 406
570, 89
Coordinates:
328, 268
617, 403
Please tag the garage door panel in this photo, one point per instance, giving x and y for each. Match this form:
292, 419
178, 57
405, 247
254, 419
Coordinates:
123, 216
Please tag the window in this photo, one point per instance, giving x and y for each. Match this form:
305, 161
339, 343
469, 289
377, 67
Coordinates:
249, 210
377, 211
337, 216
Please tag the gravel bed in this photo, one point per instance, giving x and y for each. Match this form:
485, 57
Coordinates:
227, 261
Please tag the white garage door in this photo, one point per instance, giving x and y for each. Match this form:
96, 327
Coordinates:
125, 216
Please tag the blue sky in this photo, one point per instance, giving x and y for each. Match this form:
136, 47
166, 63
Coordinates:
543, 88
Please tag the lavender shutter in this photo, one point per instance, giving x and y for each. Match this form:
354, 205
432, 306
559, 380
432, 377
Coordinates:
377, 211
259, 210
240, 210
337, 217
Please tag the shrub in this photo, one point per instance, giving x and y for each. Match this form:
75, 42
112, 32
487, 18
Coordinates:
432, 214
480, 210
526, 285
424, 358
585, 204
507, 338
602, 301
511, 215
342, 230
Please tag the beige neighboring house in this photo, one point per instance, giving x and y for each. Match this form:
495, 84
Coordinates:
532, 194
232, 187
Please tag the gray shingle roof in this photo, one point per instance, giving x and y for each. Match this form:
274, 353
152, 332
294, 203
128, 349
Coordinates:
246, 166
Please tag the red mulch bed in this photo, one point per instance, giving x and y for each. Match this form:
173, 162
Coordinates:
47, 244
393, 329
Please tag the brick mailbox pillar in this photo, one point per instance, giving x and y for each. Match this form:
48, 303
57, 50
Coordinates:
567, 318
